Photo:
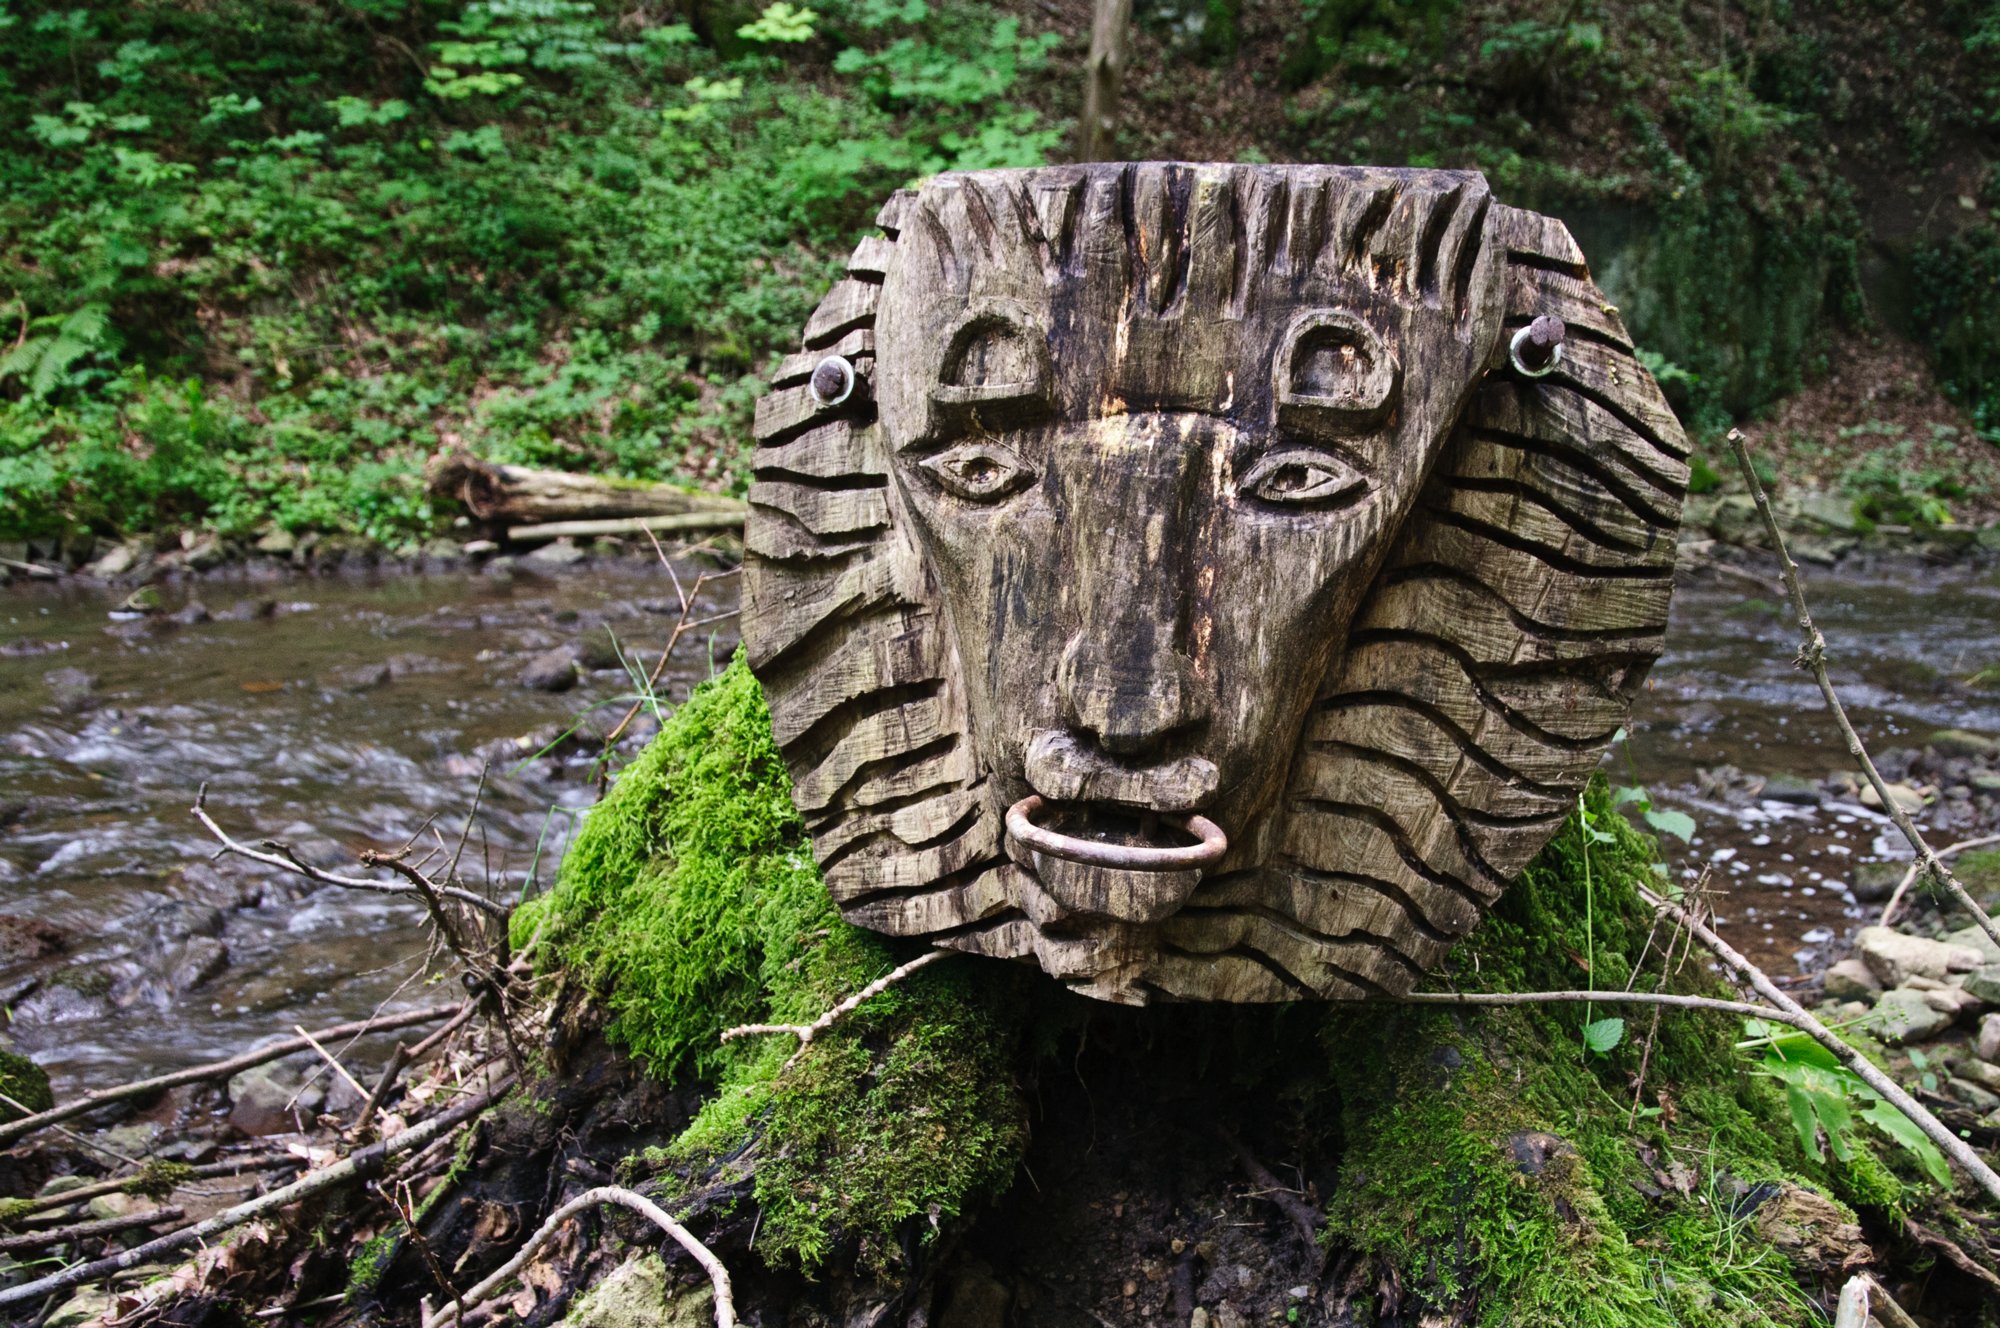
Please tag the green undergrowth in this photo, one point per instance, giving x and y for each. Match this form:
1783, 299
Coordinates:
1496, 1157
1514, 1160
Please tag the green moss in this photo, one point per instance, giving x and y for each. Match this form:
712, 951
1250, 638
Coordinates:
1452, 1169
691, 902
26, 1083
366, 1269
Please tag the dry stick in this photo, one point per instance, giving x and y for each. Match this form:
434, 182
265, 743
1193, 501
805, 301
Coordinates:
1812, 658
1743, 1008
403, 1057
1910, 876
25, 1208
1270, 1187
1890, 1091
333, 1061
106, 1226
805, 1033
718, 1275
284, 860
369, 1161
1888, 1311
13, 1130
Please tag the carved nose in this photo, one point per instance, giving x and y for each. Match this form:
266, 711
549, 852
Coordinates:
1131, 700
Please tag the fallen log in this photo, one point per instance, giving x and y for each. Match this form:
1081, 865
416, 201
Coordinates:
512, 495
720, 519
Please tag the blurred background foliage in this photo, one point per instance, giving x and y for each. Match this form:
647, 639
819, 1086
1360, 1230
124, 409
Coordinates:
259, 258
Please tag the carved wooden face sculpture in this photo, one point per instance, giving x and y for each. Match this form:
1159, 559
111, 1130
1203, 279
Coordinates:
1177, 575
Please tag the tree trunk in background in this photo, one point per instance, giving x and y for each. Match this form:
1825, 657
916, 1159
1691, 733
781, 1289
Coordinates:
504, 494
1097, 128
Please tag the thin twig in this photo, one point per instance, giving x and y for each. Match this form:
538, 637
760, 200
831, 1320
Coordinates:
1270, 1187
137, 1183
1744, 1008
333, 1061
1888, 1089
1812, 658
805, 1033
284, 860
104, 1226
1910, 876
90, 1102
718, 1275
366, 1162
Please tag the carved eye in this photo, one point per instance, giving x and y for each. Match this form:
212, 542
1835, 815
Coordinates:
1303, 479
979, 472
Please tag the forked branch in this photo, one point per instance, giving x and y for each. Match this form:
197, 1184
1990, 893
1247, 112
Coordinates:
805, 1033
1812, 658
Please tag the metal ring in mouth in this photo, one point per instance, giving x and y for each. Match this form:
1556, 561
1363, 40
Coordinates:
1127, 857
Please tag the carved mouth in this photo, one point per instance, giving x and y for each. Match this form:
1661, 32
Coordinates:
1107, 835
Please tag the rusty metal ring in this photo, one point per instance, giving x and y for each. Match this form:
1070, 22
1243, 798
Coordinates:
1127, 857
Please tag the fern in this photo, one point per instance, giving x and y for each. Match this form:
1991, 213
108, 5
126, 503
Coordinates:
42, 361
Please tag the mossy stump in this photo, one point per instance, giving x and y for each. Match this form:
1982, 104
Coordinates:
977, 1147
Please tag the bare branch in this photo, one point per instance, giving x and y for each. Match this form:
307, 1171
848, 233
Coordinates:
104, 1226
366, 1162
285, 860
805, 1033
1812, 658
718, 1275
137, 1182
1890, 1091
90, 1102
1743, 1008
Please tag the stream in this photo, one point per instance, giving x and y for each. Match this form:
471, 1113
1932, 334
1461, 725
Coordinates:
350, 712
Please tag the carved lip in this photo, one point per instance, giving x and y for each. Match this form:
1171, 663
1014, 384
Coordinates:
1119, 838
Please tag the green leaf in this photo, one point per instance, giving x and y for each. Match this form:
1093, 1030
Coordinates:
1601, 1035
1678, 824
1628, 793
1900, 1128
780, 22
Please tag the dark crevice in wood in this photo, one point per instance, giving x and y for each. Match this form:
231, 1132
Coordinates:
1617, 480
852, 481
1453, 808
1405, 849
1554, 557
1532, 626
1565, 379
1471, 667
1544, 263
1472, 751
1514, 488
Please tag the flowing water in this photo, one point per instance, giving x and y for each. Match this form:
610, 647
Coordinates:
347, 713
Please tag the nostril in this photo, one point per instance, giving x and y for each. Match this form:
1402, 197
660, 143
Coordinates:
1129, 707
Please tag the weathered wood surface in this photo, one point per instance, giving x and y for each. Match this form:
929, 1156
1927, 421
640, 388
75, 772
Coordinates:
520, 494
1204, 495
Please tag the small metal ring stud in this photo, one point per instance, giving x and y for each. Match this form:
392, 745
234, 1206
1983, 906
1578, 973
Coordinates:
1537, 349
832, 380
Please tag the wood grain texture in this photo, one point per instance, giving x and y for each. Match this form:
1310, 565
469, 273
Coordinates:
1174, 489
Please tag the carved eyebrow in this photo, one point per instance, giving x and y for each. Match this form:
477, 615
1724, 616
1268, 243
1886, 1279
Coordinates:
1334, 377
995, 370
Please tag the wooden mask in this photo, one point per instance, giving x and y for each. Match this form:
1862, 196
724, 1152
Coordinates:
1177, 575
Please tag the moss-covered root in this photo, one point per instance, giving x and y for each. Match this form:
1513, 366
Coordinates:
690, 903
22, 1084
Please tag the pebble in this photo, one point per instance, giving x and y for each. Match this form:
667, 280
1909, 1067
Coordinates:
1908, 800
1988, 1044
561, 553
1850, 978
551, 671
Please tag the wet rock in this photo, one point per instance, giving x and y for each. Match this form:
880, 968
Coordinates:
201, 960
1988, 1042
1851, 979
1905, 1016
1974, 937
278, 542
596, 650
478, 548
550, 671
25, 939
266, 1100
178, 919
1984, 783
1894, 957
191, 614
1827, 511
203, 554
1976, 1096
356, 677
561, 553
75, 996
1962, 742
71, 688
1907, 799
1877, 880
122, 559
145, 599
249, 610
1984, 985
1793, 790
1952, 1001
